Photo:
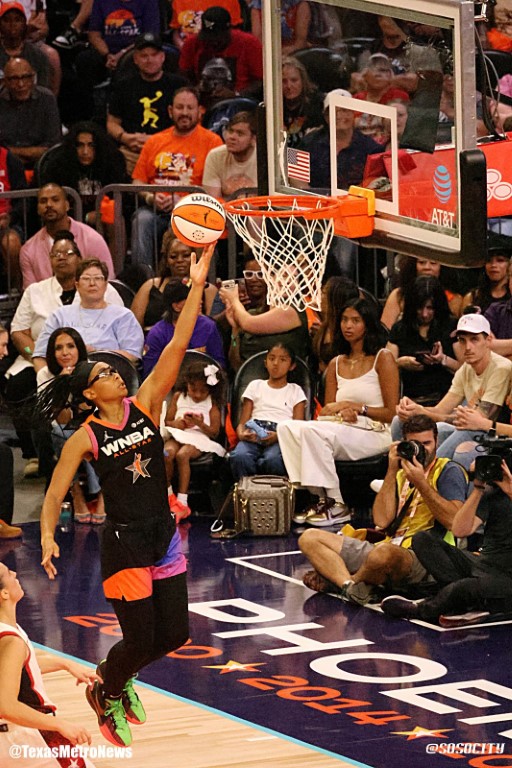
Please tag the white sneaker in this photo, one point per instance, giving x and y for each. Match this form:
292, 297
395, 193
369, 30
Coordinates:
31, 468
376, 485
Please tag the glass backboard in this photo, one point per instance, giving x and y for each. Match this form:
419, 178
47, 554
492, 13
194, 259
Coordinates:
413, 142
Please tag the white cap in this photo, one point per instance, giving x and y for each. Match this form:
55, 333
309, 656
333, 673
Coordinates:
336, 92
473, 323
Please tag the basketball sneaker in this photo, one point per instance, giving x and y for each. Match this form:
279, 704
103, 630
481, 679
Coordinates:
133, 708
111, 716
179, 510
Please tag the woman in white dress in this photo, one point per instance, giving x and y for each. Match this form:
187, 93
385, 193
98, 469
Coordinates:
361, 395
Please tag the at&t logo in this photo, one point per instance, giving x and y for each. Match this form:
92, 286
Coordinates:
442, 184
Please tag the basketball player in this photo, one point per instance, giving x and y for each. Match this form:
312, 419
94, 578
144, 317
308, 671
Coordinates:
143, 567
24, 702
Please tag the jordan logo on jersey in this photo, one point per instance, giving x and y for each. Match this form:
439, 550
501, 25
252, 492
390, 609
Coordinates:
139, 467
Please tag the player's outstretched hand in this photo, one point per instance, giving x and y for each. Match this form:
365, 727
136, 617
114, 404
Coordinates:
76, 734
83, 674
50, 550
199, 268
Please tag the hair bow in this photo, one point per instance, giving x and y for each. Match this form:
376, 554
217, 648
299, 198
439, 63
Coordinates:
210, 372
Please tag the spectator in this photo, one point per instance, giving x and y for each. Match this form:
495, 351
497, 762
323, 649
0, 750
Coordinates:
65, 350
378, 77
217, 39
415, 496
477, 582
336, 292
302, 102
173, 157
361, 393
13, 42
409, 270
421, 342
483, 382
493, 285
296, 24
233, 166
7, 531
192, 422
139, 102
216, 84
499, 315
37, 33
148, 304
53, 207
12, 177
101, 325
205, 337
352, 150
267, 402
29, 117
38, 302
393, 44
259, 329
113, 28
186, 17
86, 161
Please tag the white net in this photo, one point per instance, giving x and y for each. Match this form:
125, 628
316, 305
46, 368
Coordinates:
291, 249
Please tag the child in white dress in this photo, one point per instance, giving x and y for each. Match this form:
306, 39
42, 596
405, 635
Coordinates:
192, 421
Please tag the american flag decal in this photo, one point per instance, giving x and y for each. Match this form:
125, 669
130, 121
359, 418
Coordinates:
298, 164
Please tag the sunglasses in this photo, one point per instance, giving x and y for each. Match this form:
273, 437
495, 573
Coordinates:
103, 374
249, 274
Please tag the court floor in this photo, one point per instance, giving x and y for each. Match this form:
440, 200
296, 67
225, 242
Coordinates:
316, 681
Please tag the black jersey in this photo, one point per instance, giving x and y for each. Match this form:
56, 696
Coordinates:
129, 461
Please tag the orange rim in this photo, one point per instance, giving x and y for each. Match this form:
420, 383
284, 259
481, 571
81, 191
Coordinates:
308, 207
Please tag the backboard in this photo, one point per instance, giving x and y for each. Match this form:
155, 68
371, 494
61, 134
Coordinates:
424, 165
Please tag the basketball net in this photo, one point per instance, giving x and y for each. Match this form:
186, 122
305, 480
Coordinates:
289, 237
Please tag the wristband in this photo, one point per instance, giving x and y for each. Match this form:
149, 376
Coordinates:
364, 410
28, 351
479, 487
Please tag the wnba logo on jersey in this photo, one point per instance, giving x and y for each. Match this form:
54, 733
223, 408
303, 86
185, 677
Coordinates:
126, 442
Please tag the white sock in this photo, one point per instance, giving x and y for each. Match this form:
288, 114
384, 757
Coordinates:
183, 497
169, 490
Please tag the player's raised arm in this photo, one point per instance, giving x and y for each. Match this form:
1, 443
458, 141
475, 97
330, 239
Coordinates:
163, 376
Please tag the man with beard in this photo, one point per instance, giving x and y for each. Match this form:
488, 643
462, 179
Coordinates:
53, 207
174, 157
415, 496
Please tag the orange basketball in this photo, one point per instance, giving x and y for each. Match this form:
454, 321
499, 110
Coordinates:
198, 219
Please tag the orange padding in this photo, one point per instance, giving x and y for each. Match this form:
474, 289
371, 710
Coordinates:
130, 584
353, 219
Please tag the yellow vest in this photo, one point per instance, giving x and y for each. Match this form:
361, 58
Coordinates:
418, 516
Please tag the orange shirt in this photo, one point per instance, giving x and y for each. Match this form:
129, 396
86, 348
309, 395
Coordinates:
169, 158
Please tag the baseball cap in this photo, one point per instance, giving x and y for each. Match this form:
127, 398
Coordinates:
336, 92
473, 323
497, 243
214, 21
148, 40
4, 7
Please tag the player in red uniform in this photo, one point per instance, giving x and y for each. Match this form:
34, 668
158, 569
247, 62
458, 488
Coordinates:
143, 567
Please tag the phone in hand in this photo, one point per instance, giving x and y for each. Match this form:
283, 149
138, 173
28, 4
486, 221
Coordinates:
255, 427
420, 356
229, 285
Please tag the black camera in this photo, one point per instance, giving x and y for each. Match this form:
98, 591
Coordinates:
488, 468
412, 449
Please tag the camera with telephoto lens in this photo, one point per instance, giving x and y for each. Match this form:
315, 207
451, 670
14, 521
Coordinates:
412, 449
488, 468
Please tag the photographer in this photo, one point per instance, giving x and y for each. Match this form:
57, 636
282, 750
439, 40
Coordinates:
482, 383
419, 494
473, 585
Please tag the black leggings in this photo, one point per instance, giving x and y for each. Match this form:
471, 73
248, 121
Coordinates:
151, 628
466, 587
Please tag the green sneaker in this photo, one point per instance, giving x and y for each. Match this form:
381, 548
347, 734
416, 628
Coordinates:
132, 704
111, 716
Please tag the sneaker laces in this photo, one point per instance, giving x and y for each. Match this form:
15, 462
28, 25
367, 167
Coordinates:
115, 710
129, 692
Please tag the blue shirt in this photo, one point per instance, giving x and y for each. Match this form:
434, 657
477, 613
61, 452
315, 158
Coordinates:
350, 162
121, 21
205, 338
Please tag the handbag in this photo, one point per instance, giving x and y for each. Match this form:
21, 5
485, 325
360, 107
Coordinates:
262, 505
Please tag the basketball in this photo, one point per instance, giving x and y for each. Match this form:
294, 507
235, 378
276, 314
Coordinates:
198, 219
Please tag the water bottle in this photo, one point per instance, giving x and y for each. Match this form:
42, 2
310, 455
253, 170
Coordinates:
65, 517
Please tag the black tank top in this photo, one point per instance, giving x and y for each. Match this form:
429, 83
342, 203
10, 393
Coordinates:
129, 461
